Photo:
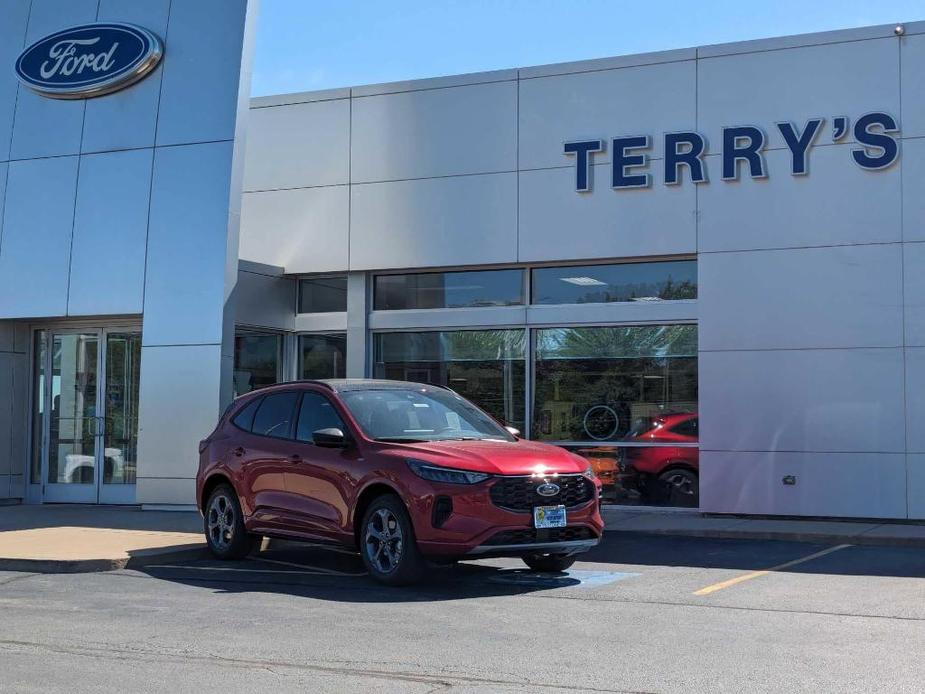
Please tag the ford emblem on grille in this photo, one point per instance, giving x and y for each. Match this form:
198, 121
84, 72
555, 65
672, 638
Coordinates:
548, 489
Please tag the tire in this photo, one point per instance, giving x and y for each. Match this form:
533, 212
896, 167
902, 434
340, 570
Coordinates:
387, 543
549, 562
682, 487
223, 524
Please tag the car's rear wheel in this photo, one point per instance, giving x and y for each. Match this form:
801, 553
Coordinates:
223, 523
682, 486
549, 562
387, 543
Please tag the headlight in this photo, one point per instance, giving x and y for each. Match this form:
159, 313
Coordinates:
442, 474
589, 473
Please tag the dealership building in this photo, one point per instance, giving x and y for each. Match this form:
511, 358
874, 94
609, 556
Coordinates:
700, 268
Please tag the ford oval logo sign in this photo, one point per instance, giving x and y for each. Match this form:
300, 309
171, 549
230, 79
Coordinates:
89, 60
548, 489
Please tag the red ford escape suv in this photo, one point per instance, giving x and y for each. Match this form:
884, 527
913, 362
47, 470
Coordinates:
403, 472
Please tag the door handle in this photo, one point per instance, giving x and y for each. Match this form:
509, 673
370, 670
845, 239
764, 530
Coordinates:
239, 451
295, 458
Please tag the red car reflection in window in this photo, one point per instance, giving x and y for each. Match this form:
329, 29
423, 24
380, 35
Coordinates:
668, 474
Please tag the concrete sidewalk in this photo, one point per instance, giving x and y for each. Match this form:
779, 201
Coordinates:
64, 538
691, 523
70, 539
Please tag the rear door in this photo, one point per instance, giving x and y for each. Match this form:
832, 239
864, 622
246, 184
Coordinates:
265, 454
322, 481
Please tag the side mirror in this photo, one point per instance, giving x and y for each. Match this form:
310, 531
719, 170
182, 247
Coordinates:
329, 438
513, 431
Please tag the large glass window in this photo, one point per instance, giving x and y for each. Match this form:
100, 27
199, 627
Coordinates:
123, 373
626, 398
323, 356
582, 284
485, 366
593, 384
257, 360
38, 408
323, 294
448, 290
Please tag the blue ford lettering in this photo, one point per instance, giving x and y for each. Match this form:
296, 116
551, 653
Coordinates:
89, 60
743, 148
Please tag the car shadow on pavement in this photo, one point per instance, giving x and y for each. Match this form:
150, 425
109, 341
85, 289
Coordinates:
315, 576
324, 573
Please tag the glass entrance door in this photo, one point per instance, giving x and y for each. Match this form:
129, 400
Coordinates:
87, 405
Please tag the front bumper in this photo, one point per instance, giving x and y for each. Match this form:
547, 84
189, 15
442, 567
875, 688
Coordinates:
477, 527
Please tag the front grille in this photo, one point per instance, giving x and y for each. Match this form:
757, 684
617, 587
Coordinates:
529, 536
519, 493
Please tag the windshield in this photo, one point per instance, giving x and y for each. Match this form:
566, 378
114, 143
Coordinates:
420, 414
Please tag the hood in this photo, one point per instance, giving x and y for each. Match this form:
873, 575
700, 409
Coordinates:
493, 457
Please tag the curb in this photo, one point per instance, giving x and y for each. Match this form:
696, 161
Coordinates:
135, 561
823, 538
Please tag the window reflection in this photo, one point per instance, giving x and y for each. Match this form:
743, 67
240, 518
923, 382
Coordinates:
72, 429
323, 356
38, 407
123, 371
655, 475
593, 384
323, 294
629, 393
647, 282
484, 366
257, 360
449, 290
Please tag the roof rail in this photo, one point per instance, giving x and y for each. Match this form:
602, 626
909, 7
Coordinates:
313, 381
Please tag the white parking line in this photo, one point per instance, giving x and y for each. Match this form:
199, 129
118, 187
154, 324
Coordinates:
332, 572
231, 569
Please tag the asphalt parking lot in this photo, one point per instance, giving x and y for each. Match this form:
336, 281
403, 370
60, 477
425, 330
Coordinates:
638, 614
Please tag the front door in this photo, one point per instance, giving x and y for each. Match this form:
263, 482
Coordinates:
87, 407
320, 481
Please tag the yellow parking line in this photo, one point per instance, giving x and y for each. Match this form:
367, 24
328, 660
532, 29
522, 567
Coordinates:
758, 574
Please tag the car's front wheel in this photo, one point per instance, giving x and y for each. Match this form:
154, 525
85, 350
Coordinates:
549, 562
387, 544
224, 525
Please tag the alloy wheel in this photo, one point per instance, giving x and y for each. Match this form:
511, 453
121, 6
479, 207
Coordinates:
383, 540
221, 522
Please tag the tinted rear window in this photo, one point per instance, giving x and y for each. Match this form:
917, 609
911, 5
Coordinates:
245, 418
274, 416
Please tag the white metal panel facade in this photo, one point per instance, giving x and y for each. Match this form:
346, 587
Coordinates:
81, 236
810, 311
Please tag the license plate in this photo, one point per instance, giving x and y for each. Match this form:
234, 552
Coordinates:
549, 516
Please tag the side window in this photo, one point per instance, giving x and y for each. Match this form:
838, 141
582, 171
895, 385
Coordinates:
245, 418
317, 413
274, 416
688, 428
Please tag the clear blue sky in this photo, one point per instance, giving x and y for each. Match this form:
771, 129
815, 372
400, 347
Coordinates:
304, 45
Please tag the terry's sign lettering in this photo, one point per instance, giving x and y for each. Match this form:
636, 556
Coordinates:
89, 60
742, 149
